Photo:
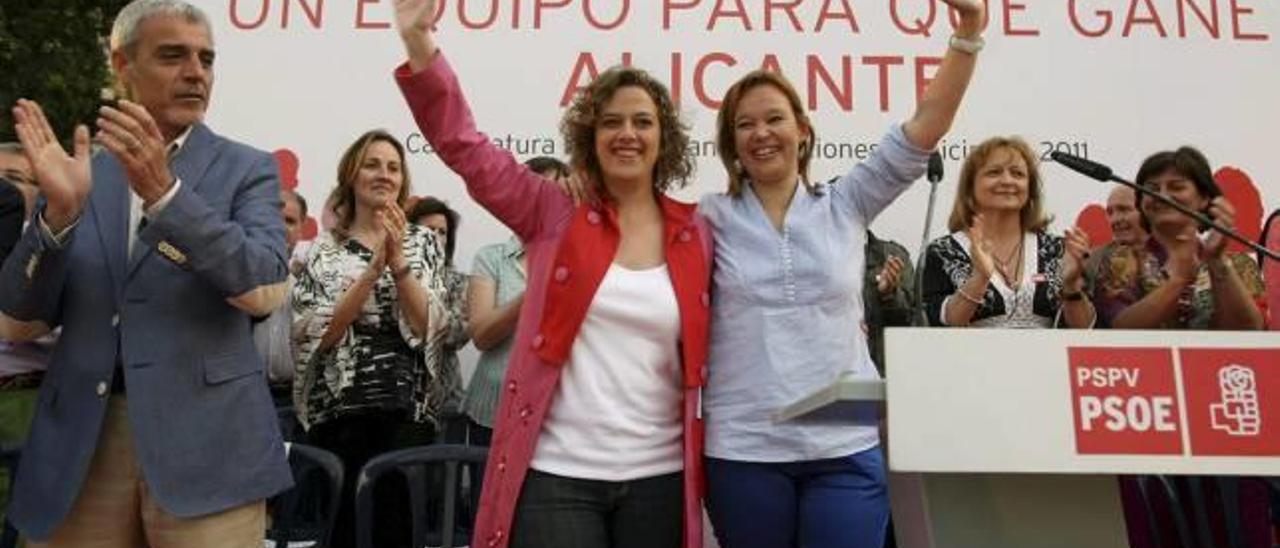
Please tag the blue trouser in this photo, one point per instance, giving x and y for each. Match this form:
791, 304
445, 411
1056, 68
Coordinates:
831, 503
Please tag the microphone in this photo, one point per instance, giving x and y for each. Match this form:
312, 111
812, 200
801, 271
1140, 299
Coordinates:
1083, 166
1094, 170
934, 173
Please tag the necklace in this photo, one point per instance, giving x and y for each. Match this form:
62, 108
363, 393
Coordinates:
1010, 268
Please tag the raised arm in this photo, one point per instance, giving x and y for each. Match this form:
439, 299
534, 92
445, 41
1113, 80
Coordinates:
1234, 308
1077, 310
413, 20
1124, 301
874, 184
242, 257
33, 274
941, 101
898, 301
351, 304
510, 191
1237, 284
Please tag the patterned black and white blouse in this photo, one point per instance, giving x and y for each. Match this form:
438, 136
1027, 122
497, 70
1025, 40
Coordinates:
449, 339
948, 265
378, 364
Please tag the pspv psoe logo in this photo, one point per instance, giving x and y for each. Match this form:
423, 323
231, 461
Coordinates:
1232, 400
1237, 414
1125, 401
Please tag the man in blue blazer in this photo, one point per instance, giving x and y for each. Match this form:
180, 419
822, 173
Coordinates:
154, 425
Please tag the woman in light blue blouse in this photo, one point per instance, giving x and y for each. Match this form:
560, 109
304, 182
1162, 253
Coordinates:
787, 310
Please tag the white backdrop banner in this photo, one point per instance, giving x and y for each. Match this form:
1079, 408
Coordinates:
1113, 80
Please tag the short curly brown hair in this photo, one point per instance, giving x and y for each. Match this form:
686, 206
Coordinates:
674, 167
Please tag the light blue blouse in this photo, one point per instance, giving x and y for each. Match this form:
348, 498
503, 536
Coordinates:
501, 263
787, 308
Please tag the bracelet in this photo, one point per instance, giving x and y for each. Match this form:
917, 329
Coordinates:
967, 45
960, 291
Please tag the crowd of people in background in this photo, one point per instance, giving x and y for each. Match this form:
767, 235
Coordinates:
632, 347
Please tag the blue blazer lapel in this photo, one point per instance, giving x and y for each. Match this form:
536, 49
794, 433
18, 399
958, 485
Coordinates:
191, 163
188, 166
109, 206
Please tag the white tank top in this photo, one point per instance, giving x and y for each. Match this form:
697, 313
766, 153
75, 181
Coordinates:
616, 415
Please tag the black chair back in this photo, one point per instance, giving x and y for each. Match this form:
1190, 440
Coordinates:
305, 514
443, 494
1203, 511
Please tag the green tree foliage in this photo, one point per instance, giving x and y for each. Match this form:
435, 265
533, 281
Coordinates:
54, 52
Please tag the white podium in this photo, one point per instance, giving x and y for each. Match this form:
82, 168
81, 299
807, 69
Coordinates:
1009, 438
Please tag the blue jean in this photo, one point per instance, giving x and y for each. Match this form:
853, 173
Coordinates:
831, 503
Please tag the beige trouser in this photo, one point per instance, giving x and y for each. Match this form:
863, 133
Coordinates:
116, 510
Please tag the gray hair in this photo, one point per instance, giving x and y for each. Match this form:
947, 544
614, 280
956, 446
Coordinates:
124, 32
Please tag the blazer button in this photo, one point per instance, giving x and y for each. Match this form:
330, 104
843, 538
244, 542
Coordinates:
115, 320
502, 464
511, 387
101, 389
561, 274
538, 341
706, 299
593, 217
525, 412
495, 538
686, 236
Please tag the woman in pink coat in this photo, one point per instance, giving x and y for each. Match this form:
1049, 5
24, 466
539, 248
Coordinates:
597, 439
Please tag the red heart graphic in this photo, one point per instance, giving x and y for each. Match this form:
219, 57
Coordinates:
287, 161
1093, 221
310, 229
1239, 189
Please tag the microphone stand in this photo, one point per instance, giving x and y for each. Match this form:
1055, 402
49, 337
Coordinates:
935, 176
1103, 173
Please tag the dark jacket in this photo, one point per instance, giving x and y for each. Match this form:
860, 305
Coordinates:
893, 309
12, 211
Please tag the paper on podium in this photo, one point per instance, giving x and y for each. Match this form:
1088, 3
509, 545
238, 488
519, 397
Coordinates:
847, 400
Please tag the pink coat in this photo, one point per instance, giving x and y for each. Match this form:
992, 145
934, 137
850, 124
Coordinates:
569, 248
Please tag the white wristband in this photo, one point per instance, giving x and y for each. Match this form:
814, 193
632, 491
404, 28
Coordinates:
968, 45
